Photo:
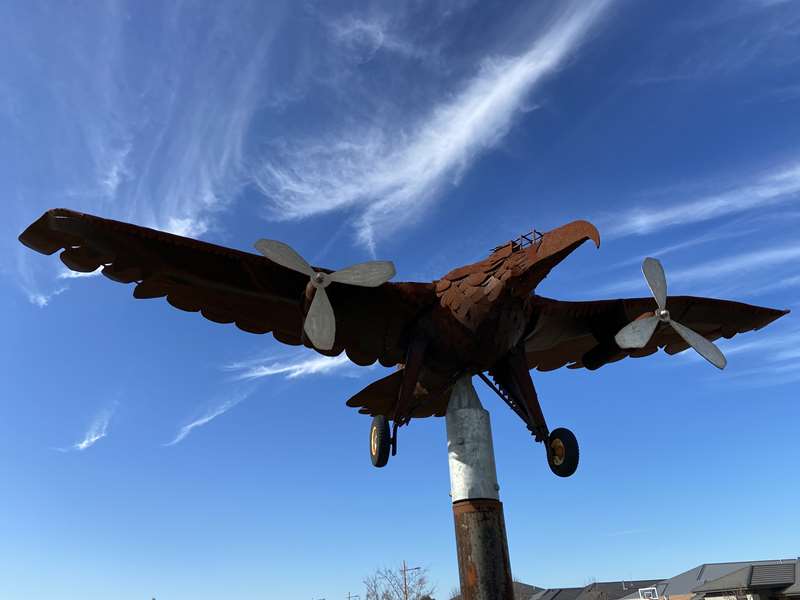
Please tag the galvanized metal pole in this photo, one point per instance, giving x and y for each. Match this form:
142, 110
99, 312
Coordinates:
483, 565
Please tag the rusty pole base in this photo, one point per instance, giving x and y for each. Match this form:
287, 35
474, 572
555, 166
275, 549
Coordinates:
483, 564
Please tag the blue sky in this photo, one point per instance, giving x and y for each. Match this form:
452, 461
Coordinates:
147, 452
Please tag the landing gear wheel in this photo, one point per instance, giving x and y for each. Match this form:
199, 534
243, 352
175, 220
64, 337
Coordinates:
380, 441
562, 452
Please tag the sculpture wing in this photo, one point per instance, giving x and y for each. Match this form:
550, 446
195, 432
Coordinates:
227, 285
380, 397
581, 334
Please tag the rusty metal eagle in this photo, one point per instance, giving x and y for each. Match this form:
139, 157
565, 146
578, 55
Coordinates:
481, 319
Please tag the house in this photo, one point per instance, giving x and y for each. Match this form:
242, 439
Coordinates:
749, 580
601, 590
777, 581
753, 580
522, 591
557, 594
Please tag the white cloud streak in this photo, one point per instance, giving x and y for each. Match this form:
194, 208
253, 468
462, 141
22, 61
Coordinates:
392, 174
290, 368
768, 374
627, 532
690, 243
67, 274
780, 284
28, 282
194, 166
368, 36
777, 346
210, 415
780, 186
148, 131
42, 299
726, 269
766, 360
98, 429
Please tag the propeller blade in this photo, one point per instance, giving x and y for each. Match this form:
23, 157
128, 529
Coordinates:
320, 324
704, 348
284, 255
654, 274
368, 274
637, 333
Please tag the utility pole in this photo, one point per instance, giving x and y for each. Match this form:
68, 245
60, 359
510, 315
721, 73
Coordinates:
483, 565
352, 597
405, 570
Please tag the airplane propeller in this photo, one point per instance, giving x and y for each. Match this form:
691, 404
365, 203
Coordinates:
320, 322
637, 333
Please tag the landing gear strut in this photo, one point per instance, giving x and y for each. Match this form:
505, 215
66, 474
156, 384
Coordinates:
381, 444
513, 383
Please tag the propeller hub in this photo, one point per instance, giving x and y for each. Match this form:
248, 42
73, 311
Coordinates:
662, 314
320, 280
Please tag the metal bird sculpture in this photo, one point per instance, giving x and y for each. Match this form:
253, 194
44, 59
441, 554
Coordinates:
481, 319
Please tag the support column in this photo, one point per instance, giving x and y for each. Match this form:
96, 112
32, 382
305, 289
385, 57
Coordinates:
483, 564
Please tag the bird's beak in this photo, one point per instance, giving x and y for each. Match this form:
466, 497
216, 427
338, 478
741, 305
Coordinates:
553, 247
567, 236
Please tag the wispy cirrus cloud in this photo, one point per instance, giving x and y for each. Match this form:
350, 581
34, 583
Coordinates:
42, 299
391, 173
367, 36
724, 269
98, 429
627, 532
193, 167
37, 293
290, 367
768, 374
707, 238
780, 186
149, 132
735, 36
67, 274
772, 358
779, 346
219, 409
781, 283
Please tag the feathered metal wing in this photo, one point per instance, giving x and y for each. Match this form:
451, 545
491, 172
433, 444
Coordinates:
581, 334
231, 286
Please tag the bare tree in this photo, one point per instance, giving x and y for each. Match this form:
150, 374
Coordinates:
399, 584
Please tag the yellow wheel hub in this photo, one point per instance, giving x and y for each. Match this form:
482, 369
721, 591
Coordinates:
373, 441
557, 452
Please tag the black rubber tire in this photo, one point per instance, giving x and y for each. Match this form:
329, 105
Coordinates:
380, 441
562, 452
